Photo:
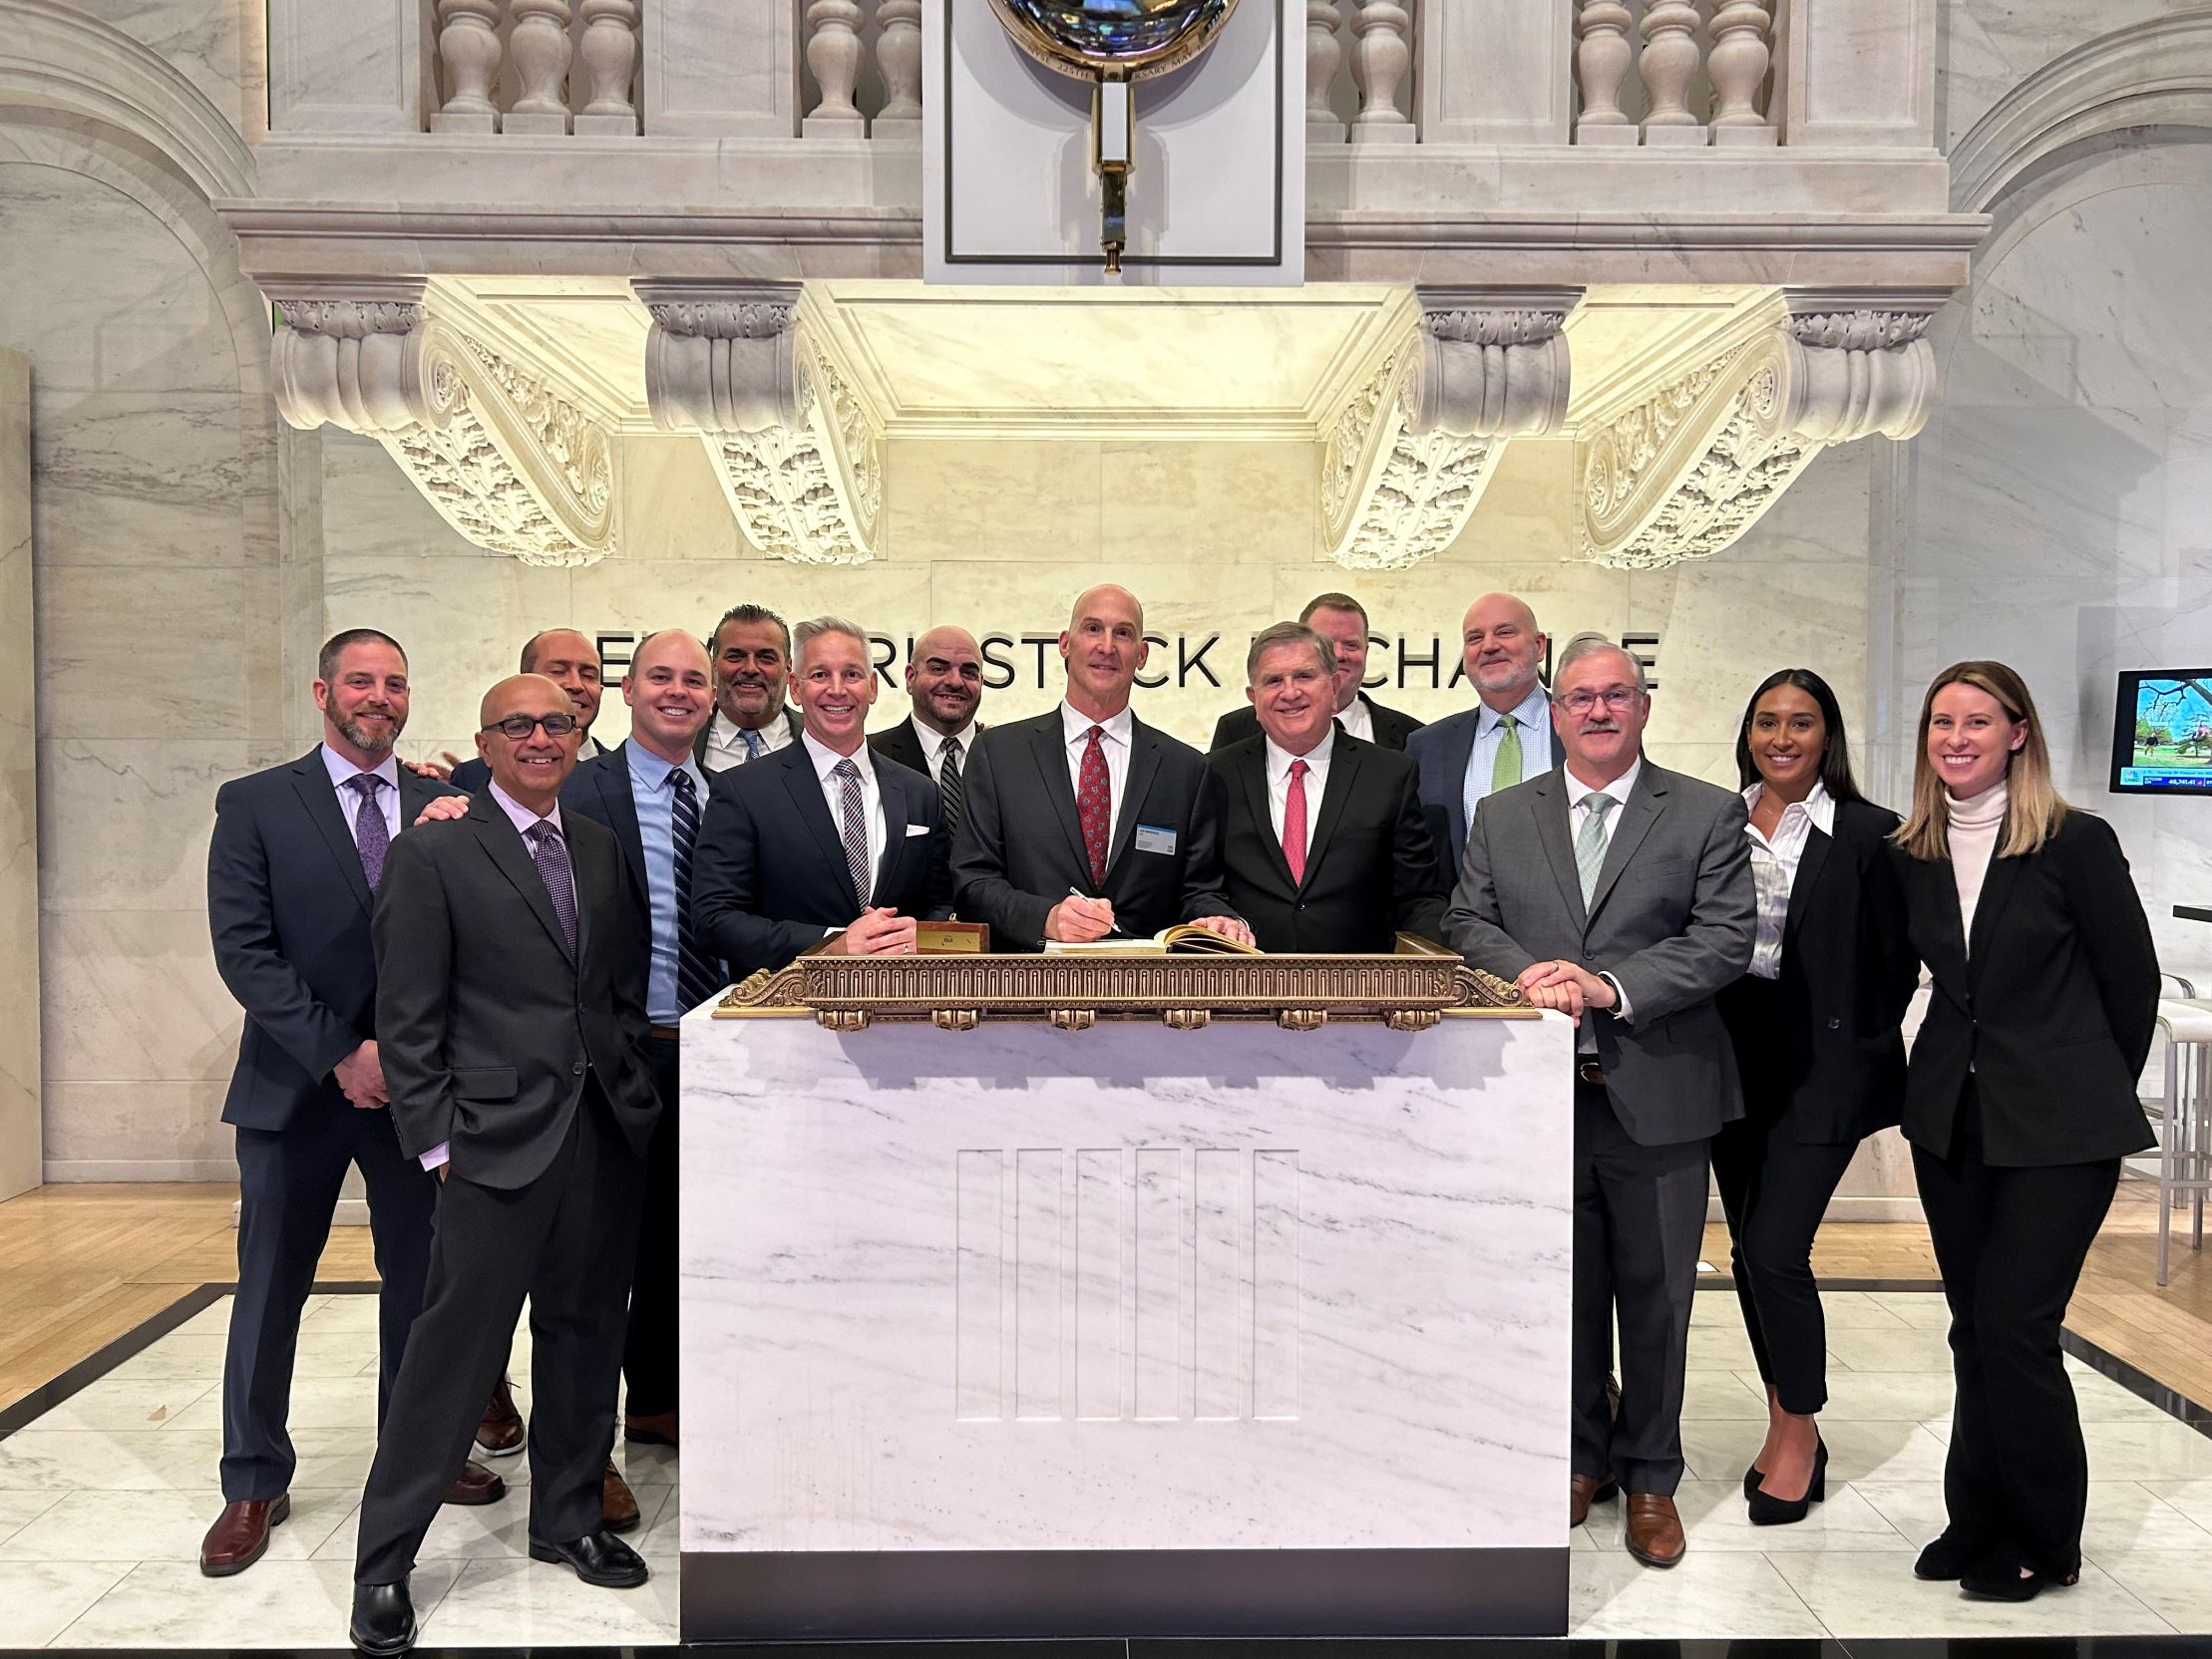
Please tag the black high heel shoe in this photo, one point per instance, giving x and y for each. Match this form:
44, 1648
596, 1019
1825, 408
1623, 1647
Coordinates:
2002, 1579
1948, 1557
1752, 1478
1769, 1511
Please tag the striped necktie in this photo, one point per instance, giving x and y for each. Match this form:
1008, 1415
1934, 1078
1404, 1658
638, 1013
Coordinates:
1590, 846
855, 829
697, 976
949, 784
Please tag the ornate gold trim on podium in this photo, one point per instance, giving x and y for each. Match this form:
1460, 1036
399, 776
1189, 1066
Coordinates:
1408, 992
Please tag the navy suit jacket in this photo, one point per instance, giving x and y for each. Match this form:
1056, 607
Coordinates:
288, 911
600, 790
1441, 749
769, 878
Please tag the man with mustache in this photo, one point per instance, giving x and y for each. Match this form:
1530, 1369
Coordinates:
944, 677
751, 648
571, 662
1342, 621
292, 872
1620, 894
1506, 737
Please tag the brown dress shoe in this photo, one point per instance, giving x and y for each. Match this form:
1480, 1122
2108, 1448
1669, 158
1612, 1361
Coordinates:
650, 1428
617, 1503
498, 1433
1583, 1490
1655, 1529
241, 1534
476, 1485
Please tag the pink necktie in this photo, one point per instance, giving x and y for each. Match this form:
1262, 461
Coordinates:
1293, 822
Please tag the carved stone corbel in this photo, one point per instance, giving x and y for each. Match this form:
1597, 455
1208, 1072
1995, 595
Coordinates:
1406, 460
798, 455
1687, 469
506, 459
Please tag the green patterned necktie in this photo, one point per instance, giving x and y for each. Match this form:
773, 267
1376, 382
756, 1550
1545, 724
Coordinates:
1590, 846
1505, 768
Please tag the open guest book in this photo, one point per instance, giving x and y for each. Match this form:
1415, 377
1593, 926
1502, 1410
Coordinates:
1189, 940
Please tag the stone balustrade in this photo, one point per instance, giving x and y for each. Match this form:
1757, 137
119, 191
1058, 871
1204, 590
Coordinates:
1676, 77
536, 67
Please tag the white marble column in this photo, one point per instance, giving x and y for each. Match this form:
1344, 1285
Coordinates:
20, 1123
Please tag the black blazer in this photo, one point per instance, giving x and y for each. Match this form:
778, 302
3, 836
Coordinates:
1370, 871
1392, 727
472, 774
1848, 970
288, 912
769, 878
487, 1025
1021, 846
2054, 1009
899, 743
792, 724
1442, 752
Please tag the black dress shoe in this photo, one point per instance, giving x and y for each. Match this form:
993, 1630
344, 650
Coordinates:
1752, 1475
1769, 1511
596, 1558
2001, 1578
383, 1619
1949, 1556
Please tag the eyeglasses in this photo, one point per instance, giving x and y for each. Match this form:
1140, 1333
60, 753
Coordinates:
1613, 697
520, 725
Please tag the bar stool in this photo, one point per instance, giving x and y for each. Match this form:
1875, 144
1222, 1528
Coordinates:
2185, 1117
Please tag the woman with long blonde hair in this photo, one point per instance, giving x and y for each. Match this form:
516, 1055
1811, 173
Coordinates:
2019, 1103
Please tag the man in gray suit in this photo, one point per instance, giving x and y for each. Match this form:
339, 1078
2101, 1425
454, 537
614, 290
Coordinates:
1620, 894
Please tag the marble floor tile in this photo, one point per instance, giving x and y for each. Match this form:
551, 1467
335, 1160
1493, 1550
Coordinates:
524, 1603
200, 1354
44, 1597
1873, 1593
2163, 1451
317, 1403
39, 1460
1855, 1310
1724, 1394
2123, 1516
1715, 1517
342, 1313
1886, 1396
137, 1406
164, 1526
19, 1508
1897, 1451
1714, 1593
1721, 1347
271, 1604
1923, 1308
2191, 1497
1900, 1347
2172, 1583
459, 1534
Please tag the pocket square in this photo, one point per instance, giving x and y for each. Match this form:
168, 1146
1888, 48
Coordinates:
918, 828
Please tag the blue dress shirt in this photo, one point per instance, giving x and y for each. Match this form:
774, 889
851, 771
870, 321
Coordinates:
654, 795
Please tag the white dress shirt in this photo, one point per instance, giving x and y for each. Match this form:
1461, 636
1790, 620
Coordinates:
1358, 720
349, 802
1774, 862
1577, 815
932, 744
826, 761
726, 745
1279, 785
1115, 744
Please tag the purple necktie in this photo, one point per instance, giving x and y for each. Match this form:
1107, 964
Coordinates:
551, 854
370, 833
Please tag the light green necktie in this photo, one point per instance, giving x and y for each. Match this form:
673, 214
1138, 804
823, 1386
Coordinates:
1590, 846
1505, 767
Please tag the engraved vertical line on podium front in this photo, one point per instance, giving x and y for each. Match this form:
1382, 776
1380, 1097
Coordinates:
978, 1317
1277, 1313
1158, 1341
1218, 1340
1037, 1217
1097, 1275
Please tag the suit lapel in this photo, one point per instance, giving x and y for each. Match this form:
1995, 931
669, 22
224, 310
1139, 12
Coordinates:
1555, 831
897, 815
311, 778
1049, 752
503, 843
620, 803
805, 789
1344, 774
1810, 864
1989, 910
1645, 801
1144, 761
1459, 749
1251, 778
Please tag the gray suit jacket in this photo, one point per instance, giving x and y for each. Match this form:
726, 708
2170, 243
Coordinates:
1671, 919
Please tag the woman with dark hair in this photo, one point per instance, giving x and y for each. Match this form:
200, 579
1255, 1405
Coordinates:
1816, 1029
2019, 1105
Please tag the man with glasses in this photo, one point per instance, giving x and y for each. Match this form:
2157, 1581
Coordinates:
511, 1016
1620, 894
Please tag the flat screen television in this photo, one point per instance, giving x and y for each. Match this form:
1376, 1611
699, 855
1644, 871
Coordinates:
2162, 732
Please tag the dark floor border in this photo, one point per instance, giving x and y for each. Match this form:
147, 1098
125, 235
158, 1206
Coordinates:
137, 1340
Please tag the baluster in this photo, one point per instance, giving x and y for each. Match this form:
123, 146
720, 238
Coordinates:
1737, 66
1378, 63
609, 52
898, 61
1601, 57
469, 47
537, 45
833, 54
1324, 52
1670, 58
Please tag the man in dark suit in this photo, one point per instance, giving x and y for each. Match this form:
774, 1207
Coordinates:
1621, 894
511, 978
944, 677
298, 854
1086, 822
571, 662
1322, 843
823, 842
751, 649
1342, 621
1506, 737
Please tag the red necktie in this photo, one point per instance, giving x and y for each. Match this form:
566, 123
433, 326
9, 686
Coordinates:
1094, 805
1293, 822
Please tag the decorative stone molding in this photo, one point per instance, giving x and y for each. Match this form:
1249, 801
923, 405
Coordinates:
800, 456
1407, 460
1686, 471
505, 458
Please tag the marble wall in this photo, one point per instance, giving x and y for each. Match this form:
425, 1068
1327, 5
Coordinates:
19, 877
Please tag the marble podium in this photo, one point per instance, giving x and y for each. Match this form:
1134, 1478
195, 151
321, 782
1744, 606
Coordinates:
1020, 1331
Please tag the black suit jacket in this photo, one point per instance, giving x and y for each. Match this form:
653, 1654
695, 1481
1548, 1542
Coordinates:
769, 877
288, 912
1021, 846
472, 774
1392, 727
486, 1024
899, 743
1371, 869
792, 724
1442, 752
1848, 970
600, 790
2053, 1007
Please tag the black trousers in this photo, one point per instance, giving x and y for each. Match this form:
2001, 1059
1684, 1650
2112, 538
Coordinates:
566, 1241
289, 1182
1640, 1221
2010, 1243
649, 1348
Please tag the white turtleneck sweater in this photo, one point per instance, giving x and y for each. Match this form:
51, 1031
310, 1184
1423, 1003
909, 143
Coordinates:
1976, 824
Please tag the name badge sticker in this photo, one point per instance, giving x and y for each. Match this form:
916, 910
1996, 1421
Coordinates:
1152, 840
